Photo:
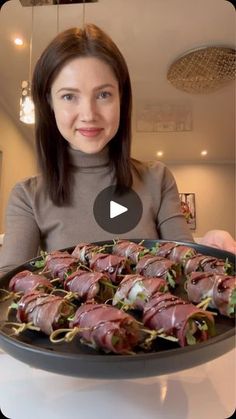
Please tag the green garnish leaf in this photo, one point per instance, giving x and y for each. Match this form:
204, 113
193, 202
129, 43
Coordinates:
142, 296
202, 325
108, 284
228, 267
115, 340
143, 253
191, 340
39, 263
68, 273
71, 318
153, 250
231, 311
232, 303
168, 337
170, 280
14, 305
233, 297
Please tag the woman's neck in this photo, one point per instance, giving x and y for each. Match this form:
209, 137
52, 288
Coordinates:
80, 159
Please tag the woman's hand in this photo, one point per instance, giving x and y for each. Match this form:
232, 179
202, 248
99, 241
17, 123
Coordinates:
220, 239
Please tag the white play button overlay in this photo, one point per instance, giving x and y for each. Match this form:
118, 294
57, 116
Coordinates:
117, 212
116, 209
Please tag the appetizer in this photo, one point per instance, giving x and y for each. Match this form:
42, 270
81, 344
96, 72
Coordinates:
152, 266
174, 251
178, 318
105, 327
84, 251
206, 263
135, 290
60, 264
86, 285
45, 311
114, 266
25, 281
133, 252
213, 290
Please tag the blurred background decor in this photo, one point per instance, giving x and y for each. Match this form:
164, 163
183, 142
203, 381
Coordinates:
187, 202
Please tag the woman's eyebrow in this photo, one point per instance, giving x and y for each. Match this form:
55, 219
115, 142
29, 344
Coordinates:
102, 86
68, 89
72, 89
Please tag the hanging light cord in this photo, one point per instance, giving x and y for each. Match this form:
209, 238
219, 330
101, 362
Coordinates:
83, 19
31, 43
57, 18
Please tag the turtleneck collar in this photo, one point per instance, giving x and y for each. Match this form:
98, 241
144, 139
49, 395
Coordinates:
80, 159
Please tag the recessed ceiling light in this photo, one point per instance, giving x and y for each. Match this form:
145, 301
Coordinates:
159, 153
204, 152
18, 41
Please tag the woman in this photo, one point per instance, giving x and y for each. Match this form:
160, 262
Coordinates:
82, 94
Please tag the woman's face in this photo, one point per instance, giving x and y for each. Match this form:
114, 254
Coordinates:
86, 103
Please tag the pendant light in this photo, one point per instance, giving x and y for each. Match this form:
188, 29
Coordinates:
27, 114
203, 70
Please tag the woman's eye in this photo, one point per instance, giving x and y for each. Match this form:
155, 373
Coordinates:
104, 95
68, 97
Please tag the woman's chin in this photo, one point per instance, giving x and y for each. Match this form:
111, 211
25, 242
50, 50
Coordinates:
88, 148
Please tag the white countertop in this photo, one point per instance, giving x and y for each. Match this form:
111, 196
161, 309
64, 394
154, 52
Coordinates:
203, 392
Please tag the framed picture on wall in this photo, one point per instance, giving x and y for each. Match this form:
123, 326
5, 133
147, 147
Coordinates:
188, 207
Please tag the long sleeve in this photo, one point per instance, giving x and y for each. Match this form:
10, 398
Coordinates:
22, 238
171, 224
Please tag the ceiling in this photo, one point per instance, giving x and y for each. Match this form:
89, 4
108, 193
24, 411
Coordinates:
151, 34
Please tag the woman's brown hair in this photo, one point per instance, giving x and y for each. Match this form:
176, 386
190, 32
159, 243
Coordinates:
52, 148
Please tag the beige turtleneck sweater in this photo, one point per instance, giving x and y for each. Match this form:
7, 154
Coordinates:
33, 221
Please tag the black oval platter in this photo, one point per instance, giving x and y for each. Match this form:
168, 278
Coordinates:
75, 359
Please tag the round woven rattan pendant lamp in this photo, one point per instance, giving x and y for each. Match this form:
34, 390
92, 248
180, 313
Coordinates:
203, 70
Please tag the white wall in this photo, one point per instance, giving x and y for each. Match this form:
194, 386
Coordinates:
18, 160
214, 186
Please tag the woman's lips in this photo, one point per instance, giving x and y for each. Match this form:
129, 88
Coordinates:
89, 132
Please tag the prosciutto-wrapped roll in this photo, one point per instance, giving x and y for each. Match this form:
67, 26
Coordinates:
135, 290
84, 252
46, 311
163, 249
107, 328
206, 263
130, 250
220, 289
25, 281
60, 264
176, 252
152, 266
89, 285
178, 318
114, 266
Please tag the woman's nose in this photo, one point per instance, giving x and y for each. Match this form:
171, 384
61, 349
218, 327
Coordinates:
87, 110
